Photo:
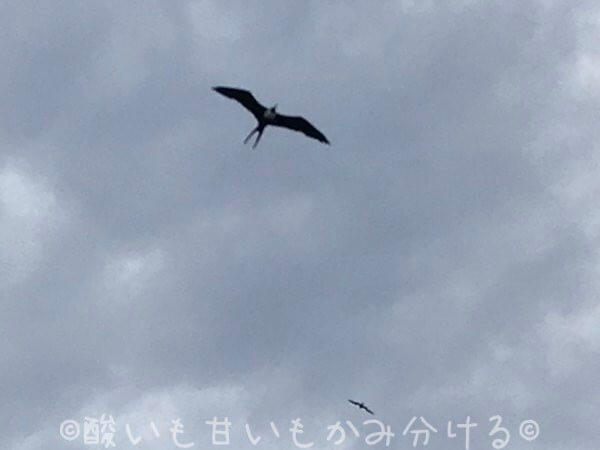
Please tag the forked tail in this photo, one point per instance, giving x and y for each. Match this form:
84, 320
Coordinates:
259, 129
251, 133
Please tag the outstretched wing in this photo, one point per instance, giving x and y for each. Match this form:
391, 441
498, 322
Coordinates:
368, 410
298, 123
353, 402
245, 98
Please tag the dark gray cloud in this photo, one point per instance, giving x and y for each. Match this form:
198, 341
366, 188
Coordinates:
439, 259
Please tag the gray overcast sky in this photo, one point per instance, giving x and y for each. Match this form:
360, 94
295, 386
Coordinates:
440, 259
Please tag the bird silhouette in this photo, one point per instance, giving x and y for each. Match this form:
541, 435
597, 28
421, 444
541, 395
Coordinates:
361, 406
269, 116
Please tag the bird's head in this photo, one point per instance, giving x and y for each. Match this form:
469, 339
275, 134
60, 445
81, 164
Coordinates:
270, 113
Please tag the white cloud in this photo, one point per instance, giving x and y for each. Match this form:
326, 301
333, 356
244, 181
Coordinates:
571, 339
128, 406
121, 66
212, 23
244, 228
127, 275
30, 216
584, 77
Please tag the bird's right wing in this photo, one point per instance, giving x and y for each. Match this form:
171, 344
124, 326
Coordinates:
369, 411
353, 402
245, 98
298, 123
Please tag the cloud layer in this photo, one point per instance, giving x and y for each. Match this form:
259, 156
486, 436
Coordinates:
440, 259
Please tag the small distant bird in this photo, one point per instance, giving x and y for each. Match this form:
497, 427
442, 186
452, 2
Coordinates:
269, 116
361, 406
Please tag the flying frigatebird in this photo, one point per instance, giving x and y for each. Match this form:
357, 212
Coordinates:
361, 406
269, 116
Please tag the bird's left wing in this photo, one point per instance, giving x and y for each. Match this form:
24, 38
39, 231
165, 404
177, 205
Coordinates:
244, 97
369, 411
298, 123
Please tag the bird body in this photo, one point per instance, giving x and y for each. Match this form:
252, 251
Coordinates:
270, 113
361, 405
269, 116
